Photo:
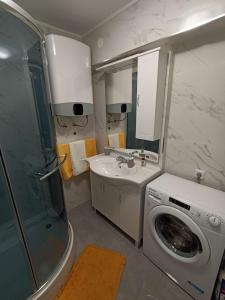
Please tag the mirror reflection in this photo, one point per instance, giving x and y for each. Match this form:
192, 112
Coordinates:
121, 107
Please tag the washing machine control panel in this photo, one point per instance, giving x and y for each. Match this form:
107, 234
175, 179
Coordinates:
214, 221
159, 197
204, 218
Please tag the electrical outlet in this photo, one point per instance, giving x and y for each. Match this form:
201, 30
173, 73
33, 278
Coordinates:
199, 174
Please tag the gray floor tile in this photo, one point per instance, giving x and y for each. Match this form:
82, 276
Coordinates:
141, 279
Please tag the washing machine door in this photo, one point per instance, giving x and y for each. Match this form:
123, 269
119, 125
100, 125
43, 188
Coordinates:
178, 235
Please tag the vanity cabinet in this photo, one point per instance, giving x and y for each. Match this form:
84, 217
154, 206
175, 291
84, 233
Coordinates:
151, 82
131, 213
112, 199
105, 198
122, 203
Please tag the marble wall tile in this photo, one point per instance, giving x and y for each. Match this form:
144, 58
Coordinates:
71, 132
146, 21
100, 111
197, 114
117, 123
77, 190
197, 111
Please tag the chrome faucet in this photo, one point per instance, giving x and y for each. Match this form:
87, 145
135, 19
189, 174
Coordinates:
107, 150
135, 152
123, 160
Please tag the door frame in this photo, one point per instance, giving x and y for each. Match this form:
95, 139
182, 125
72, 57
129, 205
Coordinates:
19, 222
20, 13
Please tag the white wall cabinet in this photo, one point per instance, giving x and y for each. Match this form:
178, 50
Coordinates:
120, 203
151, 81
119, 86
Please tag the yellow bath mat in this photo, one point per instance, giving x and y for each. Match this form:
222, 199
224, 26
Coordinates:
95, 276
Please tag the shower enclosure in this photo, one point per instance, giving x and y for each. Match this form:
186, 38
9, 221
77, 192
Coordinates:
34, 232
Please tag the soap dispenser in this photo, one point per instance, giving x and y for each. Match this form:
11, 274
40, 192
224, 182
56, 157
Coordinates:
142, 156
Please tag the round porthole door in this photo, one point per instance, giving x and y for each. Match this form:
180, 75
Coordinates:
178, 235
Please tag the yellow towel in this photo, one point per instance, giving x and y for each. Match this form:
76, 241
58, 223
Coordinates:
121, 140
90, 147
66, 169
116, 140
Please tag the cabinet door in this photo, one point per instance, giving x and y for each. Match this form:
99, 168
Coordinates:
97, 193
130, 210
150, 95
112, 203
105, 198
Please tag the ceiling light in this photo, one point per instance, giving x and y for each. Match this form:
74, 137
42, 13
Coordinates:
4, 53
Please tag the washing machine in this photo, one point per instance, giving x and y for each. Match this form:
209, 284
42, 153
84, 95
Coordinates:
184, 232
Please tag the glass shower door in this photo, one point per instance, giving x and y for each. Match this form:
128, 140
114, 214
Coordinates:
14, 261
28, 147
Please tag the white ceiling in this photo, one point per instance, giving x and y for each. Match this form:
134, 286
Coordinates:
77, 16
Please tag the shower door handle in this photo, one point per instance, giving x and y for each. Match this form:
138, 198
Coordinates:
44, 176
138, 100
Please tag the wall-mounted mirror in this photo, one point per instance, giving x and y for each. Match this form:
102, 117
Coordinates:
121, 106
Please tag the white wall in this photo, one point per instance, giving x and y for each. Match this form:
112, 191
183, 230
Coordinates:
148, 20
118, 123
77, 189
100, 111
197, 109
196, 137
47, 29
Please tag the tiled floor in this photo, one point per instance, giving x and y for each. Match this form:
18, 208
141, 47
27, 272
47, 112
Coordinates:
141, 279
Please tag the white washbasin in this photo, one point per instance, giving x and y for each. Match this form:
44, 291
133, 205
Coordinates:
107, 166
112, 168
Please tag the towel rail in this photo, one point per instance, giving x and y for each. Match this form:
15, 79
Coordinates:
44, 176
